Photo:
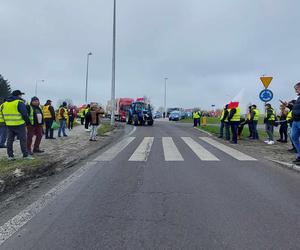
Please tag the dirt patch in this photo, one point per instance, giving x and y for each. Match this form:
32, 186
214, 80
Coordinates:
59, 154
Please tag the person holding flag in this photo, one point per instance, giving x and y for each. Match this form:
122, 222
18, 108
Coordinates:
234, 119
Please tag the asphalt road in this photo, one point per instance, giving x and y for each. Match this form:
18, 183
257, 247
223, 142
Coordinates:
163, 187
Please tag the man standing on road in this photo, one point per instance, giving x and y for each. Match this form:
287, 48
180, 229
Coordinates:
222, 123
196, 117
296, 124
270, 118
16, 118
254, 116
226, 123
87, 120
234, 120
3, 128
63, 118
36, 126
49, 117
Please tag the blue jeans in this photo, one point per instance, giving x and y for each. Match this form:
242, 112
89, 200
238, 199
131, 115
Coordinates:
234, 128
3, 135
227, 131
254, 131
295, 136
62, 127
222, 125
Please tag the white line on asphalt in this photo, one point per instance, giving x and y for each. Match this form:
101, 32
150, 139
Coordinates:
170, 150
112, 152
200, 151
228, 150
143, 150
14, 224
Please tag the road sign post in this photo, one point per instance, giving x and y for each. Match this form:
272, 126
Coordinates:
266, 95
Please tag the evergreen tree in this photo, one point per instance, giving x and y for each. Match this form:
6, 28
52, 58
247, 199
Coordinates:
5, 90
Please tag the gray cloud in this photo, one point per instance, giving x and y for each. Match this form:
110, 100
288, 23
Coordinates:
209, 50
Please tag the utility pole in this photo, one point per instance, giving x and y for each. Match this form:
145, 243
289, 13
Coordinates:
165, 99
113, 80
87, 76
36, 86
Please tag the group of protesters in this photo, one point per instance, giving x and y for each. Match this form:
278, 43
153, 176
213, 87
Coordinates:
288, 121
23, 122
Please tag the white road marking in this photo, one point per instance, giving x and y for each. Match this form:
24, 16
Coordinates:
111, 153
170, 150
143, 150
200, 151
14, 224
228, 150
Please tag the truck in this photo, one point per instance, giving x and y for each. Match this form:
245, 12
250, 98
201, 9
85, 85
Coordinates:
139, 113
121, 107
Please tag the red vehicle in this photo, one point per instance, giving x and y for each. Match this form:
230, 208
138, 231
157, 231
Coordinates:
124, 104
121, 107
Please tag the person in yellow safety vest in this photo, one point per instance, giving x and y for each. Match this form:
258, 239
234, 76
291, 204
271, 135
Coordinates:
283, 130
196, 117
289, 119
234, 120
269, 120
3, 128
36, 126
249, 122
254, 117
81, 115
63, 119
87, 120
49, 117
16, 118
222, 123
226, 123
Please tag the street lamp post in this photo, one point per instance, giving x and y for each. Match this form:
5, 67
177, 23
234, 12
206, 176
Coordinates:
113, 80
36, 86
165, 99
87, 75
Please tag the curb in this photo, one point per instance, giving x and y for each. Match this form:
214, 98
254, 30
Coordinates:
11, 182
287, 165
205, 132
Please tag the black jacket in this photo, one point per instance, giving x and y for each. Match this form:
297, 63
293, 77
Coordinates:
296, 110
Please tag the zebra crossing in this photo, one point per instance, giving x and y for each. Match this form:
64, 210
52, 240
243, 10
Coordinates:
171, 151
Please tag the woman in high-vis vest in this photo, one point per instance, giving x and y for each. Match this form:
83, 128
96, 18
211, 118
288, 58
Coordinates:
63, 119
49, 117
3, 128
16, 118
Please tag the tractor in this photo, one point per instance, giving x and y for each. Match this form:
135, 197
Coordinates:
139, 113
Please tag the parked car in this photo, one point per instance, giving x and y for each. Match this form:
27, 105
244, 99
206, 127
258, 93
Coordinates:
175, 116
157, 115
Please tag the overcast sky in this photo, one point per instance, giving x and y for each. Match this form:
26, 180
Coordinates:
209, 50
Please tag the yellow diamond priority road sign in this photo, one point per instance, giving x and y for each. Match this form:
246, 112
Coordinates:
266, 80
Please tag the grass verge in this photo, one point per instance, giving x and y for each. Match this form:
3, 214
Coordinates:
104, 128
8, 167
215, 130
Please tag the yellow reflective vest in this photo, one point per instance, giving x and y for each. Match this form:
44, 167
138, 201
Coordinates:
1, 115
289, 117
30, 115
46, 112
196, 115
256, 116
66, 116
226, 119
11, 114
80, 113
273, 116
237, 115
222, 115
